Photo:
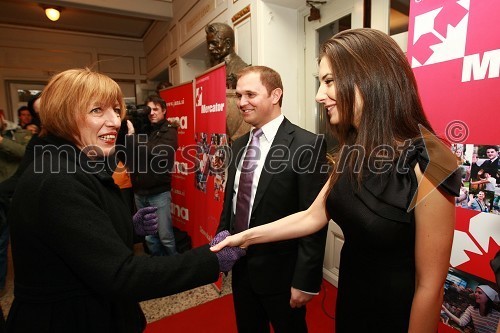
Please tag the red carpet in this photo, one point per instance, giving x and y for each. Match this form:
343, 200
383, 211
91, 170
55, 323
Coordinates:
217, 316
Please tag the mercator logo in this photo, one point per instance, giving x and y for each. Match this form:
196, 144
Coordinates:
440, 35
476, 239
199, 96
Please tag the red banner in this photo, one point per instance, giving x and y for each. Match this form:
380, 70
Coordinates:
454, 49
180, 110
211, 141
456, 58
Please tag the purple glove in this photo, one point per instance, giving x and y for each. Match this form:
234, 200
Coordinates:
228, 255
145, 221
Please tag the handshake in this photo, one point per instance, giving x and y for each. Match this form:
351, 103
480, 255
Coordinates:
228, 255
145, 223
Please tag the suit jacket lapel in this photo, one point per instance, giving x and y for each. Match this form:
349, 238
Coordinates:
284, 137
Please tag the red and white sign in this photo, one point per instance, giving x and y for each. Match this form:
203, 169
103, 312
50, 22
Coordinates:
180, 110
454, 50
211, 141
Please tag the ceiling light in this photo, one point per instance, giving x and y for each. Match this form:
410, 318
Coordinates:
53, 13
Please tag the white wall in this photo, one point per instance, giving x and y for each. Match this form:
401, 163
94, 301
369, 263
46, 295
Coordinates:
277, 35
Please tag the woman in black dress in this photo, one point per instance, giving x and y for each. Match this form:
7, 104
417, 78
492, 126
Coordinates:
391, 190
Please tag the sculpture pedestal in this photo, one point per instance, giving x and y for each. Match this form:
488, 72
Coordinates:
235, 125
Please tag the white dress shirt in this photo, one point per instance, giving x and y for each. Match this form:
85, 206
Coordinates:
265, 141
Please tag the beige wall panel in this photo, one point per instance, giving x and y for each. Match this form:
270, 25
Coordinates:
66, 40
173, 39
157, 33
42, 59
115, 64
181, 7
143, 66
158, 54
203, 13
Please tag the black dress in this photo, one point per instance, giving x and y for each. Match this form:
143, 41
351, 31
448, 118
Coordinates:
377, 266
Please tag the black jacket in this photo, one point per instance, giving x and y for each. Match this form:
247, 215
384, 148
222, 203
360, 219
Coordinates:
294, 172
73, 251
150, 158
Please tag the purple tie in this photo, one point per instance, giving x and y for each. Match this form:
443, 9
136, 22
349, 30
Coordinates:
245, 186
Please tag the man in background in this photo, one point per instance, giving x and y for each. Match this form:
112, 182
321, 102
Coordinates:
24, 115
492, 164
150, 159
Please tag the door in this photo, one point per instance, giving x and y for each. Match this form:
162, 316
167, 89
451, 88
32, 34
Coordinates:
335, 16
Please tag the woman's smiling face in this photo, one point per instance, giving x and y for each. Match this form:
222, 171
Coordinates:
326, 94
100, 128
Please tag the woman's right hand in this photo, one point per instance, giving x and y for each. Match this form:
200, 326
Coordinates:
227, 256
233, 240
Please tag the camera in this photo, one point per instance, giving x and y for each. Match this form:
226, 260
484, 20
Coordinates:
139, 116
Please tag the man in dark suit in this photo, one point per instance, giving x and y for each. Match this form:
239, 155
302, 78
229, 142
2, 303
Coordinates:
492, 164
274, 281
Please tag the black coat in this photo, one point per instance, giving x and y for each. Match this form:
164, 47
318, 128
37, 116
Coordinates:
72, 239
150, 158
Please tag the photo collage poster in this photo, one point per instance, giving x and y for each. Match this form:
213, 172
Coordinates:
454, 57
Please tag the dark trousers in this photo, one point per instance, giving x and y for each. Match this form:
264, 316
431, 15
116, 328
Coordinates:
254, 312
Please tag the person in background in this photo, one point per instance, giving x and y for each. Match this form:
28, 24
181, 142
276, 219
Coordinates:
12, 149
72, 249
463, 198
490, 182
149, 160
459, 150
34, 108
274, 282
8, 186
492, 164
395, 205
474, 168
478, 202
483, 313
25, 117
26, 140
163, 85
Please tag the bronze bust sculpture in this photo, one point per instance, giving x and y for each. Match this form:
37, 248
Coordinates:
220, 42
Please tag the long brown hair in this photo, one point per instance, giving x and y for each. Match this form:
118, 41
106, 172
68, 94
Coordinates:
369, 63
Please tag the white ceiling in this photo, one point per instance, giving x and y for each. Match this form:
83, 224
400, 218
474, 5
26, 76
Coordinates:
121, 18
